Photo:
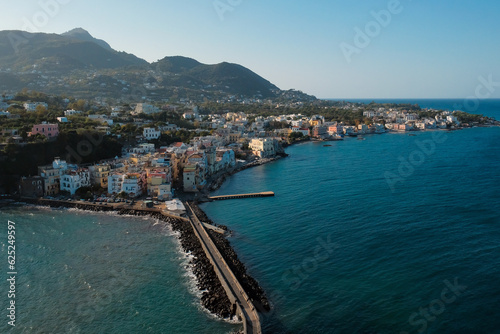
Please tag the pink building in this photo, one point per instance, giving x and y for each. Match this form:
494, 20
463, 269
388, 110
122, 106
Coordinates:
47, 130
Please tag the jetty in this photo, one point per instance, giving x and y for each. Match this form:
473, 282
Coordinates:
235, 292
237, 196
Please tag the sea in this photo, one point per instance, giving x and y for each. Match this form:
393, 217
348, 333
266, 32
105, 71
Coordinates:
391, 234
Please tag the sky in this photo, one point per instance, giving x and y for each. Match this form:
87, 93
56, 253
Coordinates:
327, 48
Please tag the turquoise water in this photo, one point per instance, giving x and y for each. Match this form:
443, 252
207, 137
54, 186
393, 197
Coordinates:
96, 273
340, 251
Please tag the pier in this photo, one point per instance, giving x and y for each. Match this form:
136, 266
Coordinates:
233, 288
237, 196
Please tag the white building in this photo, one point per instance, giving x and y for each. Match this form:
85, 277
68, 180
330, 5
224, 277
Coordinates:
31, 106
452, 119
175, 206
62, 120
115, 182
131, 185
151, 133
262, 147
145, 108
369, 113
226, 158
74, 180
305, 132
72, 112
144, 149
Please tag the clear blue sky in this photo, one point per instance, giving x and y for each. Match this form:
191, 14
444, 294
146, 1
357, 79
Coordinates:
428, 49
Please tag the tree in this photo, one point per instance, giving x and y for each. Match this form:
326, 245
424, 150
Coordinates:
40, 109
295, 136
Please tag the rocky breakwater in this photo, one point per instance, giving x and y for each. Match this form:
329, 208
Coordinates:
249, 284
68, 204
202, 216
213, 297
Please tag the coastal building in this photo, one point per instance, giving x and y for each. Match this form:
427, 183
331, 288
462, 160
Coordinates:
145, 108
175, 206
305, 132
72, 112
225, 159
47, 130
233, 137
115, 182
159, 185
369, 113
31, 106
51, 176
189, 115
317, 120
378, 128
452, 119
420, 125
363, 128
402, 127
262, 147
75, 179
320, 131
132, 184
62, 120
335, 129
349, 130
99, 175
31, 186
189, 178
151, 133
144, 149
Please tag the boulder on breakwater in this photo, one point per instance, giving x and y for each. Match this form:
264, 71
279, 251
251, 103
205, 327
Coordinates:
249, 284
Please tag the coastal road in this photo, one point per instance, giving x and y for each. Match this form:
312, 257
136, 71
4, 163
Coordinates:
234, 290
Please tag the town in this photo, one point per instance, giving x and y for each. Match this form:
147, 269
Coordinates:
183, 147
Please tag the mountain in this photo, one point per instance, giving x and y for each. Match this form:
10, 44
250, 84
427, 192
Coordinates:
75, 63
231, 78
83, 35
22, 51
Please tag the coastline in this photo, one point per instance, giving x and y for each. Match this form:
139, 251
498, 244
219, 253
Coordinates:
215, 182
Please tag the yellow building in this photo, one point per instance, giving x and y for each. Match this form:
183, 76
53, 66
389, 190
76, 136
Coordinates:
99, 175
